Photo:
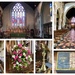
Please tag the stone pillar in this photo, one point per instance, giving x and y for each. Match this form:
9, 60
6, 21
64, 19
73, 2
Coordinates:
40, 28
59, 20
54, 21
63, 20
54, 17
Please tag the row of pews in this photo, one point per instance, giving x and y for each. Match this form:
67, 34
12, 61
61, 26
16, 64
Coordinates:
59, 35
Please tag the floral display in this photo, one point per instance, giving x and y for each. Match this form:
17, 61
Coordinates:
21, 56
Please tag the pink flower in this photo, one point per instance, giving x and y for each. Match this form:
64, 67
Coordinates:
19, 60
29, 52
23, 48
16, 57
20, 45
26, 56
14, 52
21, 55
14, 65
19, 51
26, 48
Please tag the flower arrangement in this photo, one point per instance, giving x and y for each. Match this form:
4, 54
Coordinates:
21, 56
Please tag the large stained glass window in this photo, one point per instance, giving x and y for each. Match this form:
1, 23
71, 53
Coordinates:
18, 15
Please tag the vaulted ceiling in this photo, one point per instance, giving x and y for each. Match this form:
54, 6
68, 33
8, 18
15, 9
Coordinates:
33, 5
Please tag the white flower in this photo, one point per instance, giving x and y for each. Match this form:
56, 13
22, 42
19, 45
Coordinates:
17, 51
20, 64
30, 59
13, 56
17, 63
15, 45
24, 54
12, 49
29, 56
26, 48
19, 56
26, 57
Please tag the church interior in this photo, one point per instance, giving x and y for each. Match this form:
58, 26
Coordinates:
64, 25
19, 56
1, 56
64, 61
43, 55
26, 20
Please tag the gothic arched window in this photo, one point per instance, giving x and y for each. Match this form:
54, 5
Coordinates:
18, 15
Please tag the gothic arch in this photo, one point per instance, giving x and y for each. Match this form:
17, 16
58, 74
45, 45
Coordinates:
68, 6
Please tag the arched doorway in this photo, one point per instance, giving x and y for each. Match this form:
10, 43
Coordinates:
70, 15
67, 8
57, 20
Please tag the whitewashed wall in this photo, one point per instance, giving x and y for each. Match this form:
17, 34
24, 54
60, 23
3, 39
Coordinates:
46, 12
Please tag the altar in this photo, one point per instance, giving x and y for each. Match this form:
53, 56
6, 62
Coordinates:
17, 35
16, 32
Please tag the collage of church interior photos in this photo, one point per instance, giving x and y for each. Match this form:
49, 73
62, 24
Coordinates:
37, 37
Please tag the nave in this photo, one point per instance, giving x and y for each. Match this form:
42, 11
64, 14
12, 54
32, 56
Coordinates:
25, 20
65, 40
64, 25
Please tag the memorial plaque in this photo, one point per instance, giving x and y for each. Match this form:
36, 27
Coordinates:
66, 62
63, 60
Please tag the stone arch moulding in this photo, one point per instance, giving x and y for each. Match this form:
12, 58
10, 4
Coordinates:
68, 6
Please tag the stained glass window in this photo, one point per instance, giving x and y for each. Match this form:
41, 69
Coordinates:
73, 19
18, 15
50, 9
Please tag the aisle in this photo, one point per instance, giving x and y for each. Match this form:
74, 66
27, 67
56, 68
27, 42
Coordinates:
67, 41
71, 35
